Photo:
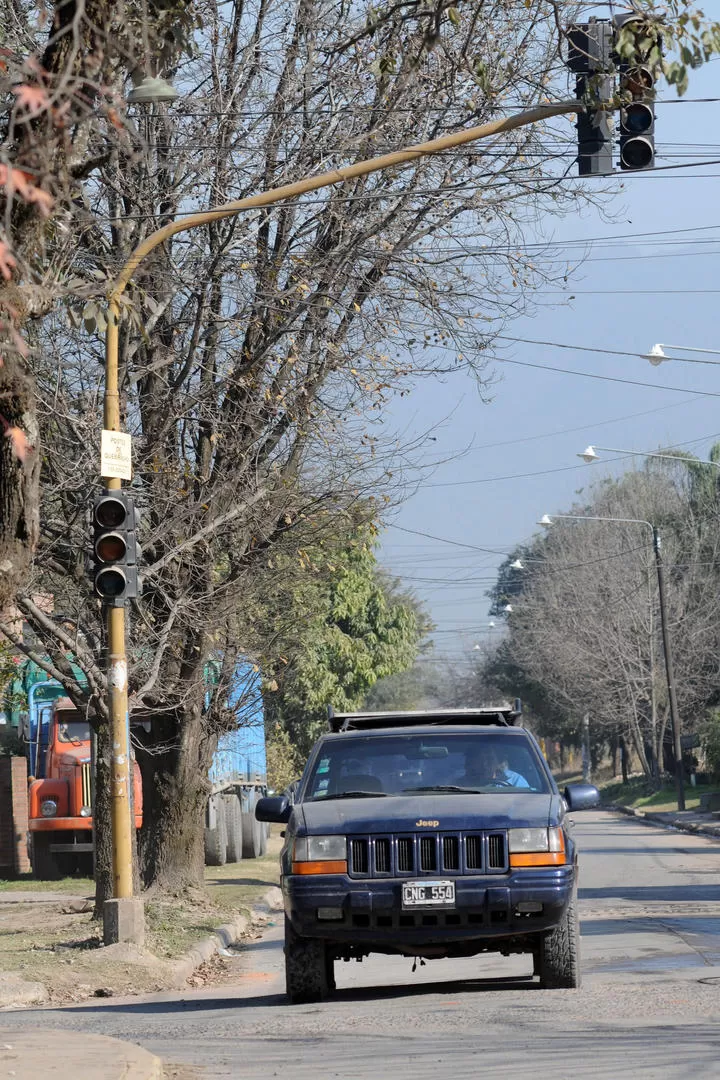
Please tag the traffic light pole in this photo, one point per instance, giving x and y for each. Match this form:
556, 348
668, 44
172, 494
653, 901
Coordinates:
120, 771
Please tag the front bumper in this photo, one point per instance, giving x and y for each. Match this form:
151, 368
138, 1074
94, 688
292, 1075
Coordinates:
486, 907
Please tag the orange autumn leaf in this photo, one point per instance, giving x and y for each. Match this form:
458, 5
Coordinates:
32, 98
15, 180
20, 445
7, 262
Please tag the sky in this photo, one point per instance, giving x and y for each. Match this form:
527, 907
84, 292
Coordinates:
630, 292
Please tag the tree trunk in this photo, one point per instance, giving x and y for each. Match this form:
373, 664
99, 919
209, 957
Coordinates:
19, 479
624, 759
175, 790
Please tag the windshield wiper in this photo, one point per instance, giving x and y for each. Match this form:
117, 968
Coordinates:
445, 787
352, 795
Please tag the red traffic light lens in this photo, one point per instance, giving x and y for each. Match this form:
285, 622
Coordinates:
111, 513
111, 548
638, 81
110, 583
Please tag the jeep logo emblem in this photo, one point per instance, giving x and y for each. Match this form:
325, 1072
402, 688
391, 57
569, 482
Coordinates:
422, 823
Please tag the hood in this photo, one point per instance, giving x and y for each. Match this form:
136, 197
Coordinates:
453, 813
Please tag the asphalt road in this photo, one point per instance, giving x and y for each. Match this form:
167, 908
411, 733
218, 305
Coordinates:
649, 1006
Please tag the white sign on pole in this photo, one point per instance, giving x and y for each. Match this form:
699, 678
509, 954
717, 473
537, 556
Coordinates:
116, 455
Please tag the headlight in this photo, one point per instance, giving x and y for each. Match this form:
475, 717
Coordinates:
48, 807
319, 848
536, 847
86, 811
320, 855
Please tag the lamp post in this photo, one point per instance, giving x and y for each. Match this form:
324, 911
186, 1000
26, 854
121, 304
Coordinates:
589, 455
547, 521
117, 681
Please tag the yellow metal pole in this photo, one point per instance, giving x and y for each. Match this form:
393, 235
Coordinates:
121, 774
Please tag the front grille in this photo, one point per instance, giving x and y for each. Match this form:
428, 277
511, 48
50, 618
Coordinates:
496, 851
359, 856
428, 853
382, 855
451, 853
405, 859
86, 785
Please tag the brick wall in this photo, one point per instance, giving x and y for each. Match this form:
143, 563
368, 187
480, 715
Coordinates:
13, 816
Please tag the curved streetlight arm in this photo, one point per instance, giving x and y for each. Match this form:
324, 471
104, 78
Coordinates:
652, 454
623, 521
120, 785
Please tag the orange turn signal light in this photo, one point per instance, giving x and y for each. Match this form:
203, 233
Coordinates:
538, 858
329, 866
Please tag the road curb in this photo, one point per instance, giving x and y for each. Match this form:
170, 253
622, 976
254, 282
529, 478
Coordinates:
221, 938
94, 1057
692, 827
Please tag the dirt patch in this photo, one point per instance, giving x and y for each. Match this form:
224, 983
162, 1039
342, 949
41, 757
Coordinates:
49, 937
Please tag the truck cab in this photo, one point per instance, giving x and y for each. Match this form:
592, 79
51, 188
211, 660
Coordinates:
60, 790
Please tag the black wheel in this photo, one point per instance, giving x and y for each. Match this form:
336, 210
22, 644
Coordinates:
309, 968
233, 827
45, 864
216, 839
254, 833
558, 963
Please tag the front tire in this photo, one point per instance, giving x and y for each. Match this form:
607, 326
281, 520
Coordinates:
45, 863
309, 968
558, 958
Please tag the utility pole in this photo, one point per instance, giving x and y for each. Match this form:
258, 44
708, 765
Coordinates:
586, 760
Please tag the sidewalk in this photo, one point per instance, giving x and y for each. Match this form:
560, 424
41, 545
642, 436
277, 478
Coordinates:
62, 1055
690, 821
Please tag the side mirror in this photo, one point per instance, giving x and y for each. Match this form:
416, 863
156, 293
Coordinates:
581, 796
275, 808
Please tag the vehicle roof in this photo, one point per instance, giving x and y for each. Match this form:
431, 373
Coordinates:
425, 729
495, 715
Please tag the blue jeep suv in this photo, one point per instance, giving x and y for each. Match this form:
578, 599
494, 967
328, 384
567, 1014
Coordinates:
434, 834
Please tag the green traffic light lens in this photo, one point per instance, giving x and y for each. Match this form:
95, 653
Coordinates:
110, 513
110, 583
637, 153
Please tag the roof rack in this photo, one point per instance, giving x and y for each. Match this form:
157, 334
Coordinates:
494, 715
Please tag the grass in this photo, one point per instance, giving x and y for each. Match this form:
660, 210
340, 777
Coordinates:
638, 794
75, 886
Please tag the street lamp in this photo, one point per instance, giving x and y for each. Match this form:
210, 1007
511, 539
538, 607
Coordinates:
589, 455
547, 521
657, 355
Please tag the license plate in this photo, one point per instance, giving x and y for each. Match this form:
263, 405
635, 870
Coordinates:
428, 894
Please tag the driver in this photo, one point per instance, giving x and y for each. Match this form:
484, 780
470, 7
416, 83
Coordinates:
485, 765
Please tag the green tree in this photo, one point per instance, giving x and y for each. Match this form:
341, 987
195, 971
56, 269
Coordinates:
339, 632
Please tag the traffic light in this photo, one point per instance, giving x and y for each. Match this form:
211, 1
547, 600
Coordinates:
115, 576
589, 57
633, 47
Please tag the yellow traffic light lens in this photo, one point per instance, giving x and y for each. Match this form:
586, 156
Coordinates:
637, 118
111, 548
638, 80
111, 513
110, 583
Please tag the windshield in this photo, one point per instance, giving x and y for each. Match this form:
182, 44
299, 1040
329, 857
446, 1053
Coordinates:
426, 764
73, 731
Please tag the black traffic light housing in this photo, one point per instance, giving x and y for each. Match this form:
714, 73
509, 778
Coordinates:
637, 92
114, 554
590, 57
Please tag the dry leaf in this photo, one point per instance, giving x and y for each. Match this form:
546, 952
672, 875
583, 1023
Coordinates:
21, 447
7, 262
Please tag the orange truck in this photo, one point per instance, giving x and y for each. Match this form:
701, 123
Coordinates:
60, 780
